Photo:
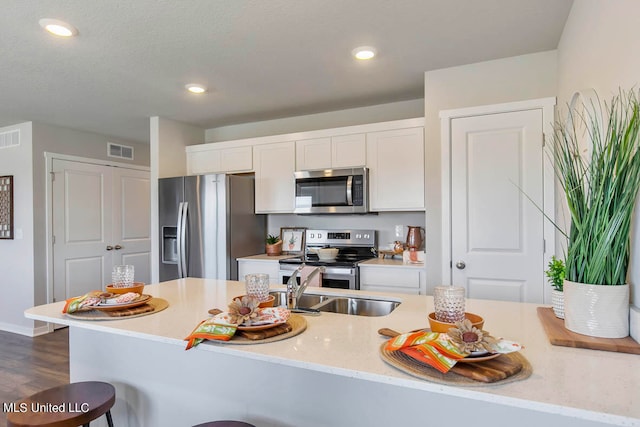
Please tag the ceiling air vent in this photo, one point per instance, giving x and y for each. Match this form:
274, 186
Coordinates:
10, 139
119, 151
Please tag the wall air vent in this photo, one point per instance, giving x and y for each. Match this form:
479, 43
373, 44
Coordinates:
10, 139
120, 151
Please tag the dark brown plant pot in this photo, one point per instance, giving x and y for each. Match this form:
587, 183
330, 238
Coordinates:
275, 249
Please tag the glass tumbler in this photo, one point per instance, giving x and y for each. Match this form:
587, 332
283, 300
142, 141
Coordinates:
449, 303
122, 276
257, 286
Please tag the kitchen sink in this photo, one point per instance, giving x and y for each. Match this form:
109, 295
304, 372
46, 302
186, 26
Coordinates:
359, 306
305, 301
340, 304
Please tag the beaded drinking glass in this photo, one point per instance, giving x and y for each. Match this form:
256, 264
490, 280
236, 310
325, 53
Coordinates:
257, 286
122, 276
449, 303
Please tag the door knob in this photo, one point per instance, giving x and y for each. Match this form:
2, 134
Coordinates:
117, 247
460, 265
109, 248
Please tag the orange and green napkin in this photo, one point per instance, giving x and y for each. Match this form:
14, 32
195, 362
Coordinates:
77, 303
431, 348
208, 330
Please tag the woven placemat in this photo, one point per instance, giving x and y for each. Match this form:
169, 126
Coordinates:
153, 306
407, 364
298, 325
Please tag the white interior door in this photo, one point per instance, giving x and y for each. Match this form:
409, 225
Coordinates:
132, 221
81, 227
497, 241
101, 218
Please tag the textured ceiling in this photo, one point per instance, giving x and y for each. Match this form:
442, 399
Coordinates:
261, 59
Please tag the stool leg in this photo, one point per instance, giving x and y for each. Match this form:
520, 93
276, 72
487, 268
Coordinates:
109, 420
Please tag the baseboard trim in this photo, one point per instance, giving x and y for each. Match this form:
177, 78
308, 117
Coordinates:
22, 330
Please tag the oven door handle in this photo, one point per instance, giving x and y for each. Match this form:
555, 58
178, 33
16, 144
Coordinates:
349, 190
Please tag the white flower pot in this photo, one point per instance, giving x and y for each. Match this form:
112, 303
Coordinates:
596, 310
557, 300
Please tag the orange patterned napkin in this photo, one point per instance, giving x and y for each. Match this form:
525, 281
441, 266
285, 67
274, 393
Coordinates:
431, 348
208, 330
85, 301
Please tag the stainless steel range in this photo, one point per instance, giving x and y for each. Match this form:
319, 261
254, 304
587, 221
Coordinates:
353, 247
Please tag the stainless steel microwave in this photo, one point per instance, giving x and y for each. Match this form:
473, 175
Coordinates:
332, 191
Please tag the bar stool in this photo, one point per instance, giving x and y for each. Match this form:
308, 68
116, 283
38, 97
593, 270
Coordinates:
70, 405
225, 424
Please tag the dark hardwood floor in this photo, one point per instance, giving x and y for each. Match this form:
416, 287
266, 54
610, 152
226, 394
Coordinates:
29, 365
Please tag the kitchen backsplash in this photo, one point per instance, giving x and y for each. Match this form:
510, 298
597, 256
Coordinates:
385, 223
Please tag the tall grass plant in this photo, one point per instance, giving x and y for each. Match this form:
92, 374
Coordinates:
600, 181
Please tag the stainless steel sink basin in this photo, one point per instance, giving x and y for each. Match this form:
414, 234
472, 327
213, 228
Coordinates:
359, 306
340, 304
305, 301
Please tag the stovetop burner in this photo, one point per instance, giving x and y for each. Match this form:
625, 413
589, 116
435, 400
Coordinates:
354, 246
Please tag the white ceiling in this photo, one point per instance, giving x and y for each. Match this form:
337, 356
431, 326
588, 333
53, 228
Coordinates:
261, 59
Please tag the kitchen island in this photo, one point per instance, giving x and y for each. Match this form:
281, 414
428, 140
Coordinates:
332, 373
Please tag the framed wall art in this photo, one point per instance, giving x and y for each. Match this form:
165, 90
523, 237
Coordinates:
6, 207
292, 240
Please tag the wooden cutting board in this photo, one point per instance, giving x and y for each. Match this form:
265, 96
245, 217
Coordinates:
506, 368
561, 336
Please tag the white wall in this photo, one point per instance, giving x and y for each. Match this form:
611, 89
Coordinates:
332, 119
492, 82
168, 139
599, 49
16, 256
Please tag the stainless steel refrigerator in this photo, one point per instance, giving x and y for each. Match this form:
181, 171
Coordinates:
206, 222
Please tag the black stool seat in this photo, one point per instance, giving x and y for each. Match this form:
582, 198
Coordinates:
225, 424
70, 405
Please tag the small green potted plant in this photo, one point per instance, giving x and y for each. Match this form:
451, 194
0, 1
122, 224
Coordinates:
273, 245
555, 276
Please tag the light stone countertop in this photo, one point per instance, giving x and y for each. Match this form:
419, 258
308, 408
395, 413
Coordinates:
586, 384
265, 257
393, 263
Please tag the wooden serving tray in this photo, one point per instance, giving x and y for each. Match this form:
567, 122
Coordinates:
504, 369
561, 336
152, 306
297, 322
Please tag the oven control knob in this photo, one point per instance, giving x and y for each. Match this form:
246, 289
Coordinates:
319, 235
312, 235
366, 236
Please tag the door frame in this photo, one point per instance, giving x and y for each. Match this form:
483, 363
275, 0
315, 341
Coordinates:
547, 105
49, 158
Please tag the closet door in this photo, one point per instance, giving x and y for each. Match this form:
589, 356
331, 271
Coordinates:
101, 218
82, 233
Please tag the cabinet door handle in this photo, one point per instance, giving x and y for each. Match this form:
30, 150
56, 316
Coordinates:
109, 248
117, 247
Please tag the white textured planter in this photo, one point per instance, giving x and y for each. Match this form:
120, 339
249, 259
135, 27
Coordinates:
596, 310
557, 300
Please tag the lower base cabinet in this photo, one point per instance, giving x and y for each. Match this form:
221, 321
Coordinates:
408, 280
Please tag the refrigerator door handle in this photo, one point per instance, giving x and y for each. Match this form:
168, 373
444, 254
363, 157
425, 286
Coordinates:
183, 240
179, 240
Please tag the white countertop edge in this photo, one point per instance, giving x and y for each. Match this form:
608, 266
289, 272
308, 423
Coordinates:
408, 382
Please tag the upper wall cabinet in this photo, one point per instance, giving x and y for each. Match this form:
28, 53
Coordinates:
274, 165
395, 159
208, 159
344, 151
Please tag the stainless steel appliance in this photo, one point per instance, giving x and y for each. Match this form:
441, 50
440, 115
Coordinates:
206, 222
353, 247
332, 191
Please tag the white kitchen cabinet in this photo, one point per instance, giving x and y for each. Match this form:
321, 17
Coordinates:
274, 166
219, 160
392, 278
252, 266
395, 159
344, 151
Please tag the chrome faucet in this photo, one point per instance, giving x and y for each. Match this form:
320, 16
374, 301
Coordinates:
295, 291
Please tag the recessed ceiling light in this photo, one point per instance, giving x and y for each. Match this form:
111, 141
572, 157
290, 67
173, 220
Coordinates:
364, 52
195, 88
57, 27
